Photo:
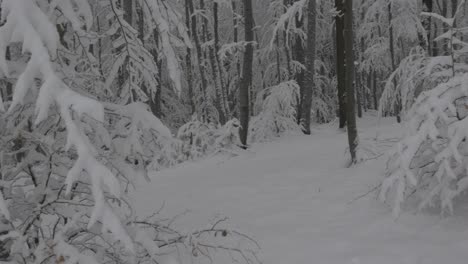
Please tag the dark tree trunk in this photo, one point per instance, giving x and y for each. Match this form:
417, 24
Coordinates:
154, 101
206, 36
188, 62
246, 81
359, 95
435, 45
454, 7
340, 63
350, 104
128, 11
218, 61
216, 80
299, 57
201, 69
123, 77
428, 25
445, 28
310, 68
278, 58
232, 98
373, 82
236, 37
397, 106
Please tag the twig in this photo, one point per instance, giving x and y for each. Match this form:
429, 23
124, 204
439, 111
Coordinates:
365, 194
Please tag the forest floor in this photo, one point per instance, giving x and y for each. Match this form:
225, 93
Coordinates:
298, 200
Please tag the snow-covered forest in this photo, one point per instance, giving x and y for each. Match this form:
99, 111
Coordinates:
233, 131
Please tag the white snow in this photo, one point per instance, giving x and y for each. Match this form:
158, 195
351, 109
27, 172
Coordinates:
294, 197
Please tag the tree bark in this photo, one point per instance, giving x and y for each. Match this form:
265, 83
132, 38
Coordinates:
124, 75
154, 100
299, 56
246, 81
128, 11
232, 99
216, 80
340, 63
373, 83
188, 62
428, 25
397, 106
445, 28
454, 7
206, 36
201, 69
309, 75
359, 95
218, 61
350, 104
278, 58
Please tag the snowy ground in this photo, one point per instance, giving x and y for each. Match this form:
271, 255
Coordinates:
293, 196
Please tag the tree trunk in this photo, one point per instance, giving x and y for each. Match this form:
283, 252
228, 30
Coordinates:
278, 58
397, 106
454, 7
188, 62
299, 57
123, 71
128, 11
428, 25
217, 82
200, 60
154, 101
310, 68
350, 104
218, 61
246, 81
340, 63
359, 95
232, 99
373, 83
206, 37
445, 28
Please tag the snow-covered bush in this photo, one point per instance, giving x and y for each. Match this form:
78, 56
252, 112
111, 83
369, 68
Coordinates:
67, 159
200, 139
54, 164
411, 78
277, 116
227, 137
418, 72
432, 158
324, 99
142, 138
430, 161
197, 138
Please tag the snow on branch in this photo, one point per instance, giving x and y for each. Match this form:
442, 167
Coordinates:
26, 23
160, 16
287, 20
278, 112
431, 159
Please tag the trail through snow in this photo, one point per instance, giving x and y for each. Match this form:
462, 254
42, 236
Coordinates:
293, 196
